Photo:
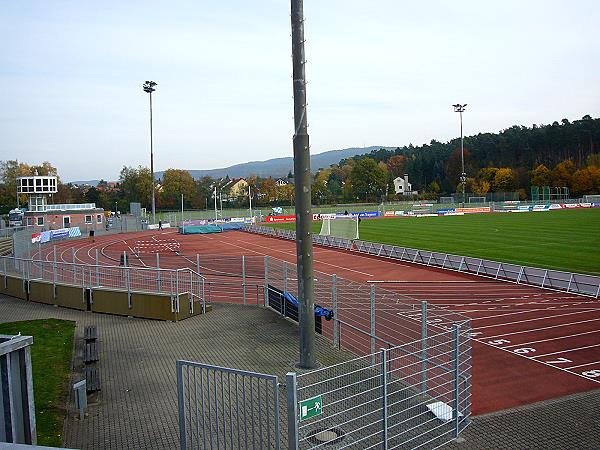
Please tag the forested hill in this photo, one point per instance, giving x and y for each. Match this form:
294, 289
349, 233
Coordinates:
518, 147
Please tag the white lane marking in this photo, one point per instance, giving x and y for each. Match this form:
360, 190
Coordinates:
582, 365
533, 330
316, 261
567, 351
563, 369
552, 339
531, 320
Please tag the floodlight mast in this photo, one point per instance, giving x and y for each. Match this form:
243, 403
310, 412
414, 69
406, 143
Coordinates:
149, 87
463, 176
302, 190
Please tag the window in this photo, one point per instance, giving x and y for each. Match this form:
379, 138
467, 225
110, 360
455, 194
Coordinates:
99, 218
88, 218
30, 221
66, 221
40, 221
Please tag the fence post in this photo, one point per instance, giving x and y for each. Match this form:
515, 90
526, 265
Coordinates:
520, 275
158, 271
570, 281
384, 403
73, 254
372, 314
177, 290
336, 331
198, 263
244, 277
97, 269
181, 406
456, 367
292, 409
126, 270
266, 267
203, 298
544, 279
423, 348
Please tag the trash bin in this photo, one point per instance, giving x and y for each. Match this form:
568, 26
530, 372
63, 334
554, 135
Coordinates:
92, 233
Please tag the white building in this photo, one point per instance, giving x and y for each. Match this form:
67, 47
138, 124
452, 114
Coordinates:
403, 187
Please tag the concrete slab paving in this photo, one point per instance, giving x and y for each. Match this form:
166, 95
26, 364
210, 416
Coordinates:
137, 406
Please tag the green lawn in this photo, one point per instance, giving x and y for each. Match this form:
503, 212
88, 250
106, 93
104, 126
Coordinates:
565, 239
51, 354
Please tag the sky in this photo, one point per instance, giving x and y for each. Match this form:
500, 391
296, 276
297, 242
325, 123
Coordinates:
379, 73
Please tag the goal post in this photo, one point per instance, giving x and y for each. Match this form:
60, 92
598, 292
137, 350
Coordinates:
344, 227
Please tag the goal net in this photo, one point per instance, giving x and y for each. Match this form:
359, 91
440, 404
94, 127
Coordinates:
344, 227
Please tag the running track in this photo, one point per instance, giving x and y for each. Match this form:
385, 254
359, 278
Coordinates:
529, 344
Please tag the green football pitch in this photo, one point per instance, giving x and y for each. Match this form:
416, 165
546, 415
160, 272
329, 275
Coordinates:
564, 240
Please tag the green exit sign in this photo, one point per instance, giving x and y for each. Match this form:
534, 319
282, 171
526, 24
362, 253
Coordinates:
311, 407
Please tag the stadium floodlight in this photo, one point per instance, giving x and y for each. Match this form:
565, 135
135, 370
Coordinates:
304, 253
149, 87
463, 176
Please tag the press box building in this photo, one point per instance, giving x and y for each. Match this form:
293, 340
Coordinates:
38, 189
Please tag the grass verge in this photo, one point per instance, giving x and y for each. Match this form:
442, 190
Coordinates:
51, 355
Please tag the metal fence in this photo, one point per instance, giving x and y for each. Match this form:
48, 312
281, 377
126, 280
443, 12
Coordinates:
224, 408
172, 282
416, 395
425, 350
544, 278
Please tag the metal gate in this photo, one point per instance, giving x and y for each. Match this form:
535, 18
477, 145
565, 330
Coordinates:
223, 408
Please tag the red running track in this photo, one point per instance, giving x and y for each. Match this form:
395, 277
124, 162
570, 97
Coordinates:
529, 344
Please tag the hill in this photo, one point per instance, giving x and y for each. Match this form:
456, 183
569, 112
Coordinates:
280, 167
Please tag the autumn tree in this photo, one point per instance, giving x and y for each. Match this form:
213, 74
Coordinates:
586, 181
504, 180
396, 165
541, 176
563, 173
593, 160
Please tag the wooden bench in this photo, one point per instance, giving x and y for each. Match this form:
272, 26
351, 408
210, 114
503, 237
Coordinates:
90, 333
92, 379
90, 352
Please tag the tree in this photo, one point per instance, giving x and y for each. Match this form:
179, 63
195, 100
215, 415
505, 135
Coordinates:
268, 190
586, 181
541, 176
368, 178
136, 185
563, 173
504, 180
397, 165
593, 160
454, 167
12, 169
175, 183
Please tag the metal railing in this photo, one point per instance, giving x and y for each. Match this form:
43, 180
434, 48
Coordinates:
224, 408
17, 408
172, 282
569, 282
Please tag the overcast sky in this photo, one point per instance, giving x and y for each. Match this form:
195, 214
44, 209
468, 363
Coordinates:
379, 72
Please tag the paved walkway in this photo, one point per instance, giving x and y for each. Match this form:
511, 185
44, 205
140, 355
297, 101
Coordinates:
137, 407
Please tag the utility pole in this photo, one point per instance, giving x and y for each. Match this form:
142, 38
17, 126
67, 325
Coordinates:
302, 188
463, 176
215, 195
250, 199
149, 87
